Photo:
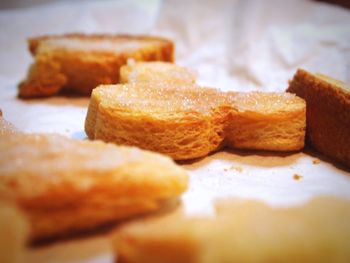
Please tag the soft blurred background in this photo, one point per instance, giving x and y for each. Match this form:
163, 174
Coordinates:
238, 44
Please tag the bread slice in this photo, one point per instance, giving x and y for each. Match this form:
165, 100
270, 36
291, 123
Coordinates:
156, 72
187, 121
65, 186
79, 63
242, 231
328, 113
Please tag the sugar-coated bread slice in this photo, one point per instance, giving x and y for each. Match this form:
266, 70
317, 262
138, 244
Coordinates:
13, 233
328, 113
65, 186
79, 62
242, 231
156, 72
178, 122
187, 121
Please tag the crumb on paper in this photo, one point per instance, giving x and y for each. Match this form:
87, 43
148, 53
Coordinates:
316, 161
297, 177
233, 167
237, 168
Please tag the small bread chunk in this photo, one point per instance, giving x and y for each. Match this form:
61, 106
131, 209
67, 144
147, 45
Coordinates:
79, 63
328, 113
187, 121
156, 72
242, 231
65, 186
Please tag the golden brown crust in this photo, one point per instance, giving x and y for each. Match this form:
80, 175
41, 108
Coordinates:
79, 62
44, 78
66, 186
187, 121
328, 113
242, 231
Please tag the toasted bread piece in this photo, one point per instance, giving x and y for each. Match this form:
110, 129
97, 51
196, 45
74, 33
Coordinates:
328, 113
13, 233
156, 72
66, 186
187, 121
79, 63
243, 231
174, 121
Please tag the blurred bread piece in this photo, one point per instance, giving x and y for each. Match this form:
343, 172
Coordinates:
145, 242
13, 234
65, 186
328, 113
242, 231
156, 72
78, 62
187, 121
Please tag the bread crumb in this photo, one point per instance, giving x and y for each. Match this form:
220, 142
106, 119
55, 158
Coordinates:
297, 177
316, 161
237, 168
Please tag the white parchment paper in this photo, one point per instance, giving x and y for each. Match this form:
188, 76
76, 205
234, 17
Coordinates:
233, 45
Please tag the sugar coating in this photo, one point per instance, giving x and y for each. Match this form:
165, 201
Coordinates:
264, 101
98, 45
6, 127
160, 97
54, 159
167, 97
